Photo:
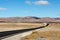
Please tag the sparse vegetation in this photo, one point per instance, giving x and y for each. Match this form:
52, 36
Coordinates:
49, 35
16, 26
52, 32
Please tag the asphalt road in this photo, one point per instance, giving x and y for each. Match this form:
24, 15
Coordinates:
7, 34
18, 36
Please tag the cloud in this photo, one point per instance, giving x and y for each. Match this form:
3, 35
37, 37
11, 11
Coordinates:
28, 2
39, 2
3, 8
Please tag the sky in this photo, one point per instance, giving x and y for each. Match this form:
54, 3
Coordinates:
37, 8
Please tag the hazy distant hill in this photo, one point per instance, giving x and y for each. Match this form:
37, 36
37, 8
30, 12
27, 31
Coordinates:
29, 19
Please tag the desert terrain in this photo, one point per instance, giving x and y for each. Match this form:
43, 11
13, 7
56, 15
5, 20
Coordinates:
51, 32
18, 26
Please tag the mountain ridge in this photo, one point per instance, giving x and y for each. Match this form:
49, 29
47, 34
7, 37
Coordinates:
29, 19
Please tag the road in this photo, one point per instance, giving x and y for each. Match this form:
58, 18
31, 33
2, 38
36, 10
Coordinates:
7, 34
18, 36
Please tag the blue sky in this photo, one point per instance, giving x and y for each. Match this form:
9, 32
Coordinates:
21, 8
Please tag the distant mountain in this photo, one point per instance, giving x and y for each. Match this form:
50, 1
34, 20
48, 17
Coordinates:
57, 18
29, 19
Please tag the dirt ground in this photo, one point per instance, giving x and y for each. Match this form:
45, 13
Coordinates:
52, 32
17, 26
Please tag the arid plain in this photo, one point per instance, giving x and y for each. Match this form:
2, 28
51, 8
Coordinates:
17, 26
51, 32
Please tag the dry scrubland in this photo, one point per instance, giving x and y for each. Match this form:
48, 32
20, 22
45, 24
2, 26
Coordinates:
52, 32
49, 35
16, 26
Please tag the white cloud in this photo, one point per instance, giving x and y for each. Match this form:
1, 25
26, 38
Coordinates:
39, 2
28, 2
3, 8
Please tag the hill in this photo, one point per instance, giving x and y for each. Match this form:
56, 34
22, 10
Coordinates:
28, 19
